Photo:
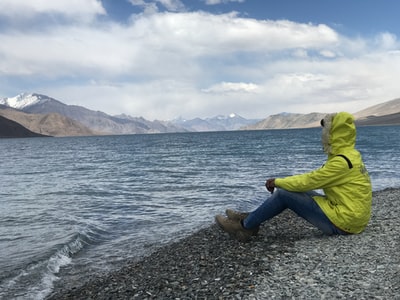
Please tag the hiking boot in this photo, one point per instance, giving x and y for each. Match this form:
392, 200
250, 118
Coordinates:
236, 215
234, 228
239, 216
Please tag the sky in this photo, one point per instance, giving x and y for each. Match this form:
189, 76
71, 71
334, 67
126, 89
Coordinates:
166, 59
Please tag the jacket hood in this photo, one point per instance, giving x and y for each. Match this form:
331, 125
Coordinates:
338, 132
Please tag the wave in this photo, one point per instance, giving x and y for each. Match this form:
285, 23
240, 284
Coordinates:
36, 280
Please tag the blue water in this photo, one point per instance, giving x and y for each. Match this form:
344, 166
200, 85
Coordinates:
74, 207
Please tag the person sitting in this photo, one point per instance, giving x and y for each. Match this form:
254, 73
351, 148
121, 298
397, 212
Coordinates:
345, 206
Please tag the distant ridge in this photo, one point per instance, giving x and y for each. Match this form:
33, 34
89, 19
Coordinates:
392, 119
217, 123
97, 121
387, 113
386, 108
288, 120
45, 115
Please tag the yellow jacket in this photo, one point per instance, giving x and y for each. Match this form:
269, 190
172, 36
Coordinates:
344, 178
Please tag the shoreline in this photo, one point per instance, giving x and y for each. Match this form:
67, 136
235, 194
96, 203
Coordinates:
288, 259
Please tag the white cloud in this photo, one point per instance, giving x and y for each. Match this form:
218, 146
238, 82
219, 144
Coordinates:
163, 65
172, 5
234, 87
22, 9
328, 53
156, 45
150, 7
300, 53
214, 2
137, 2
386, 40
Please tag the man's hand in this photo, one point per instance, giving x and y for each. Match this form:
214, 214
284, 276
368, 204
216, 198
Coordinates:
270, 185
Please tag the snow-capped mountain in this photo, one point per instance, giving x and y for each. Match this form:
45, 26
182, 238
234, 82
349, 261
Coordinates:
218, 123
49, 123
97, 121
122, 124
24, 100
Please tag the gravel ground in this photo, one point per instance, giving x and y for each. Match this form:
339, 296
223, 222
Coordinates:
289, 259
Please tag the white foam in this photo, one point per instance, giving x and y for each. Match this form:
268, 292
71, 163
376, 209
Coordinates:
60, 259
42, 284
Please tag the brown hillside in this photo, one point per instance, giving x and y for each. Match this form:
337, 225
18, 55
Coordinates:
49, 124
392, 119
382, 109
12, 129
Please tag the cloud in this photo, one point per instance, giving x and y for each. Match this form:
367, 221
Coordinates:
386, 40
165, 64
328, 53
235, 87
155, 45
75, 9
172, 5
150, 7
214, 2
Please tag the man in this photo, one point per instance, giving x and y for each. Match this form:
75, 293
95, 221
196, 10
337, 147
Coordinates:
345, 207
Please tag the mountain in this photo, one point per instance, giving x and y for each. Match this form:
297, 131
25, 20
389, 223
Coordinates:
288, 120
48, 124
217, 123
156, 125
23, 100
51, 117
95, 120
392, 119
387, 113
385, 108
12, 129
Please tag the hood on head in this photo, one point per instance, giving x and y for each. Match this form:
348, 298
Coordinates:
338, 132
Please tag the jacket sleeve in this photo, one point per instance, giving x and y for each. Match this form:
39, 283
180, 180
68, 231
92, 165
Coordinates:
333, 173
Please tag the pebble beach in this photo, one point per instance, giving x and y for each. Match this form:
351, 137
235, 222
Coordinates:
289, 259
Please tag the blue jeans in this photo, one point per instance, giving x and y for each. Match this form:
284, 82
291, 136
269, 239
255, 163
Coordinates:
301, 203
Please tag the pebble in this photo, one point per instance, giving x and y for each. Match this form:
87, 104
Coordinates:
289, 259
